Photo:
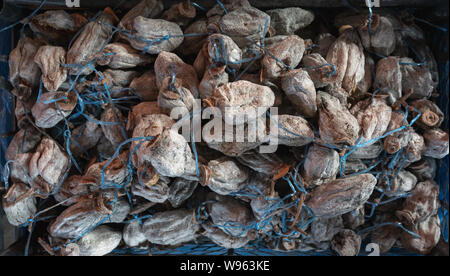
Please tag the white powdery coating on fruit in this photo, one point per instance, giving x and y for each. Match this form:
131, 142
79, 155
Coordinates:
287, 21
243, 98
171, 227
341, 196
99, 242
155, 30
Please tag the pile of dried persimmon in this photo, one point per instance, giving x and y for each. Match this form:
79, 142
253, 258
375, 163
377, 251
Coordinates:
290, 134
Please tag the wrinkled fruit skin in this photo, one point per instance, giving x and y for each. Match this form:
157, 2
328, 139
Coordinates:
346, 53
429, 232
289, 52
287, 21
243, 97
170, 227
99, 242
321, 165
423, 203
229, 210
340, 196
300, 90
154, 29
19, 209
336, 123
346, 243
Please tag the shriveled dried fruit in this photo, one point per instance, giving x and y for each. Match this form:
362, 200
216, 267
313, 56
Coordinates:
121, 56
398, 140
85, 214
366, 83
230, 215
288, 53
179, 163
212, 80
182, 13
222, 239
353, 166
150, 125
424, 169
110, 171
115, 79
164, 64
85, 137
373, 117
321, 165
57, 25
173, 95
318, 69
24, 73
287, 21
386, 237
324, 41
139, 111
25, 140
242, 101
336, 123
157, 193
99, 242
300, 90
113, 125
171, 227
423, 203
388, 78
19, 204
244, 25
324, 229
20, 171
427, 57
74, 187
53, 107
416, 78
402, 184
264, 163
437, 143
346, 243
223, 176
432, 116
90, 42
154, 36
51, 59
368, 152
192, 44
340, 196
293, 131
429, 232
415, 147
23, 110
347, 55
133, 234
145, 86
229, 5
223, 50
145, 8
47, 166
377, 35
180, 190
355, 218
